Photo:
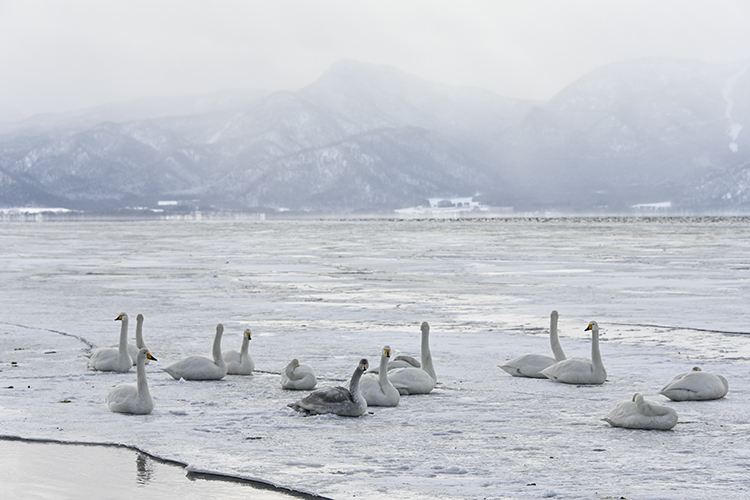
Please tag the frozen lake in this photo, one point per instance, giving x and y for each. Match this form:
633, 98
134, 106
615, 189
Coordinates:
668, 294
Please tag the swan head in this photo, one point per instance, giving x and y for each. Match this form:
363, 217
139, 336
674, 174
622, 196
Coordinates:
554, 315
697, 369
592, 326
635, 396
139, 318
294, 363
219, 329
387, 351
146, 353
425, 327
121, 317
248, 334
363, 364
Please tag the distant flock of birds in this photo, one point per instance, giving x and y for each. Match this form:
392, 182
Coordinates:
402, 375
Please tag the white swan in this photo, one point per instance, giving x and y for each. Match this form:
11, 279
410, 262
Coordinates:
416, 380
139, 344
531, 365
240, 363
129, 398
200, 367
297, 377
580, 370
696, 385
338, 400
640, 414
377, 389
109, 359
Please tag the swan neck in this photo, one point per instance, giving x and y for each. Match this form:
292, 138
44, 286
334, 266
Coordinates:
218, 358
141, 372
139, 333
354, 383
289, 370
648, 410
555, 340
383, 375
123, 347
245, 346
596, 355
427, 355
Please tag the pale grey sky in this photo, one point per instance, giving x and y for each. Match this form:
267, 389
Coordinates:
62, 55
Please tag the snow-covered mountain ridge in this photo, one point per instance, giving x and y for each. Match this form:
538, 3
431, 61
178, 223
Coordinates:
373, 138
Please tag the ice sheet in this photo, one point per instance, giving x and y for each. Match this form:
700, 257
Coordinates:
330, 292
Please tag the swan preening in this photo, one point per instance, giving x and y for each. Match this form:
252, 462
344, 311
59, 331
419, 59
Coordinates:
139, 344
580, 370
298, 377
200, 367
109, 359
696, 385
640, 414
240, 363
376, 388
129, 398
414, 380
338, 400
531, 365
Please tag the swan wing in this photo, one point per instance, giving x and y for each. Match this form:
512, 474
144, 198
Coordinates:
696, 386
411, 381
575, 371
196, 368
529, 365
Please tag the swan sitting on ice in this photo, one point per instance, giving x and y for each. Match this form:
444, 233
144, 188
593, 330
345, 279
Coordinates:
240, 363
416, 380
531, 365
338, 400
297, 377
696, 385
580, 370
136, 399
377, 389
200, 367
139, 344
640, 414
109, 359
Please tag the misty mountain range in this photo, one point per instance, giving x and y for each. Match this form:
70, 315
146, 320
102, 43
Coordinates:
372, 138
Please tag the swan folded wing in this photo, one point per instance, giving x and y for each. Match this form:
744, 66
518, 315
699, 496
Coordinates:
640, 414
329, 395
575, 371
696, 386
411, 381
122, 397
231, 356
327, 400
108, 360
196, 368
528, 365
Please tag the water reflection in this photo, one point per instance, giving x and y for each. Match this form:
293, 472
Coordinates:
38, 469
144, 469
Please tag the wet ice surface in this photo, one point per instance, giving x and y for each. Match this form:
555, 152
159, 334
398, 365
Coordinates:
331, 292
47, 470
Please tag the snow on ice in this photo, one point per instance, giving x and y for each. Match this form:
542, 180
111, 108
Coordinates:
668, 294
